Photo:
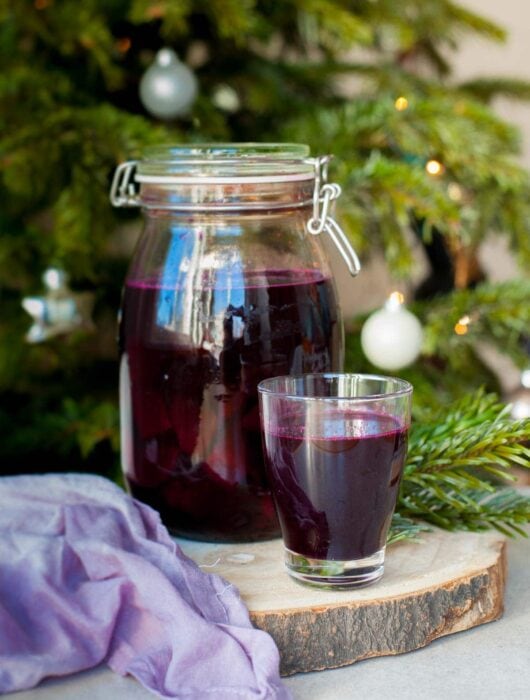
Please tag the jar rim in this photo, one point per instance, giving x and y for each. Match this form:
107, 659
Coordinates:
225, 160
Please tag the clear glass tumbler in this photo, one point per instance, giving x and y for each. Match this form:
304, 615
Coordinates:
335, 446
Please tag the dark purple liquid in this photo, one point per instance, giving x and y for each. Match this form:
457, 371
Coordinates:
336, 493
194, 432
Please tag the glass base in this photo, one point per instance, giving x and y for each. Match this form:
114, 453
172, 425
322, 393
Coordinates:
335, 574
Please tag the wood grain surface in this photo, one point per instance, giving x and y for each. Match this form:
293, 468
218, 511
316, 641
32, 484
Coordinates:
445, 583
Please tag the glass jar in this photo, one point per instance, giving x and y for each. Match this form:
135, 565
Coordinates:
229, 285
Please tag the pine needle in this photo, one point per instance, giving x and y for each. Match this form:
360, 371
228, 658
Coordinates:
458, 469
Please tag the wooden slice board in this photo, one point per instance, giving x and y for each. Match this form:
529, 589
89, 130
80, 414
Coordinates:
445, 583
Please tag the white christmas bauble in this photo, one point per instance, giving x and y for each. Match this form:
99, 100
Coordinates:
391, 337
168, 87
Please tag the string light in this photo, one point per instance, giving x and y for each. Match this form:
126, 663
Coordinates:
155, 11
434, 167
462, 327
401, 104
123, 44
455, 192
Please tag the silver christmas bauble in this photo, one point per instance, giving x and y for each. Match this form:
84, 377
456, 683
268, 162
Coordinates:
168, 87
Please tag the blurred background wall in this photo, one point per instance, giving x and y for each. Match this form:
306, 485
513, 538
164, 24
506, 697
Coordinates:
513, 58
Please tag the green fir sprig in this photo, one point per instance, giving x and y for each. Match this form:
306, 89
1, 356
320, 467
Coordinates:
458, 468
495, 313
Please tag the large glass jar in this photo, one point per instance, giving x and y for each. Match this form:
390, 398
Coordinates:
228, 286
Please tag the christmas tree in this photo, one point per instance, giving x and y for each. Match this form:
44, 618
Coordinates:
419, 157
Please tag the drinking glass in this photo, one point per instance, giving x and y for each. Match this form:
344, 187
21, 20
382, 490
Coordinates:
335, 446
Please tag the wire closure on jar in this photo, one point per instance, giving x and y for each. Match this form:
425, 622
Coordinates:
124, 192
322, 220
131, 188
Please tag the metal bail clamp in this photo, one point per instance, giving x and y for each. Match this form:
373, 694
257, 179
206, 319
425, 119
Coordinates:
321, 220
122, 190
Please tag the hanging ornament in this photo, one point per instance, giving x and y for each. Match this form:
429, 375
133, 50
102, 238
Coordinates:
391, 337
59, 310
168, 87
226, 98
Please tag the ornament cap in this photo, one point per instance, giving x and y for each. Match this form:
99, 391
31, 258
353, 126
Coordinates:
395, 301
165, 57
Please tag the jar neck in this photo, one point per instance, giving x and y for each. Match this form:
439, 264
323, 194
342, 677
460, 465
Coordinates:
228, 194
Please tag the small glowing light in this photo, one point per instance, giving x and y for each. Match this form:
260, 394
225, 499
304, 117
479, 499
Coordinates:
226, 98
525, 378
434, 167
455, 192
123, 44
42, 4
155, 11
87, 42
462, 327
395, 301
401, 104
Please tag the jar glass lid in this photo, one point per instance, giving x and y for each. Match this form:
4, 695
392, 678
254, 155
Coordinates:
225, 160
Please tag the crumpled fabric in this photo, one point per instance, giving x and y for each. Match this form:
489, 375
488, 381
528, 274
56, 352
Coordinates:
89, 575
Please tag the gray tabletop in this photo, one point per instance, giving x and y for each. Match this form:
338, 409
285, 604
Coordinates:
490, 661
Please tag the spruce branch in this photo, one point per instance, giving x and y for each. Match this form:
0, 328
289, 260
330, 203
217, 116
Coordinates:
382, 167
470, 21
496, 313
488, 88
506, 511
458, 466
405, 528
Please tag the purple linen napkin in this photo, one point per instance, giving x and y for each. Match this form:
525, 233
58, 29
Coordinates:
88, 574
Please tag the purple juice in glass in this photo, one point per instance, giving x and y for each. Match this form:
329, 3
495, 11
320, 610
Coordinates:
336, 491
190, 418
335, 447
